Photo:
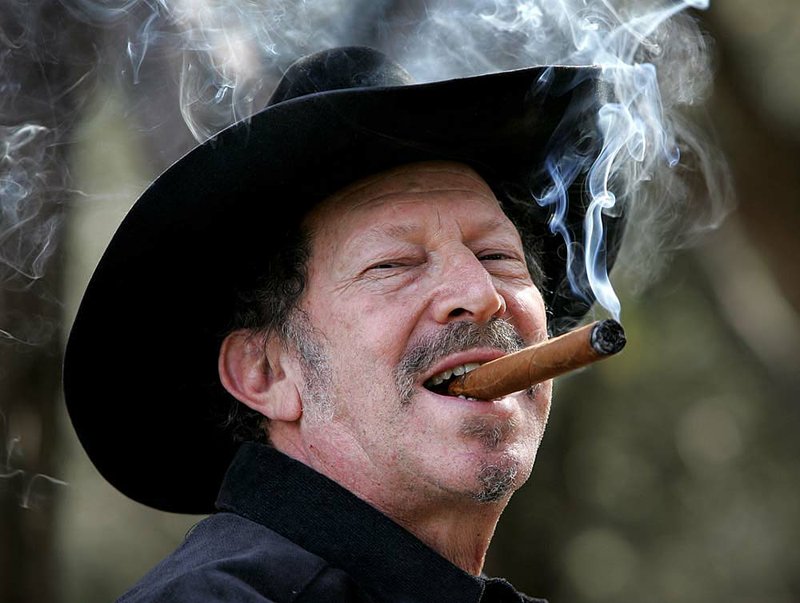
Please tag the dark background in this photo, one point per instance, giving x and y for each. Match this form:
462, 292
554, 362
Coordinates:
670, 473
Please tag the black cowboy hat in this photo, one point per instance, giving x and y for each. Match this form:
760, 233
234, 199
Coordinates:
140, 370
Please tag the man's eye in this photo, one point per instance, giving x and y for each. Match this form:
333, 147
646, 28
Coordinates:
494, 256
387, 267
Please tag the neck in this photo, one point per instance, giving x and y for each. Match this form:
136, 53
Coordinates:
459, 533
455, 525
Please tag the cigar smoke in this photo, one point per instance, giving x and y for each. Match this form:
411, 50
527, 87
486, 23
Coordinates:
656, 59
28, 487
189, 68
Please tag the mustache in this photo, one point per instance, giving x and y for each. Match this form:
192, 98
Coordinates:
455, 337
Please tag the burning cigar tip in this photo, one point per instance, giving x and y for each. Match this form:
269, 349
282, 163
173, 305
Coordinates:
608, 337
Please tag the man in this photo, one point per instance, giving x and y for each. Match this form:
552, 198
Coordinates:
310, 278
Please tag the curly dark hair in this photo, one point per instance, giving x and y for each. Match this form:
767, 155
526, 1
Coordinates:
264, 308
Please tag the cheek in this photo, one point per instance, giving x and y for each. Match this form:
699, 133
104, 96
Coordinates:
527, 310
364, 348
376, 331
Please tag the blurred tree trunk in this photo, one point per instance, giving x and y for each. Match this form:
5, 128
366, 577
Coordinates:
748, 263
29, 390
41, 94
763, 158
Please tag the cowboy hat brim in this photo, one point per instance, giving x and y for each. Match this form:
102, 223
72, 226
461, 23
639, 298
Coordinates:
140, 369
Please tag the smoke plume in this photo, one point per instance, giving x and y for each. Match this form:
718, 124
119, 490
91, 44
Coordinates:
189, 68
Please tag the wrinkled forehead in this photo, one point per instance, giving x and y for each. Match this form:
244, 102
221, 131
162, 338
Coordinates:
403, 181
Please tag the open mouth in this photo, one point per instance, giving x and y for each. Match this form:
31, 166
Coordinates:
439, 382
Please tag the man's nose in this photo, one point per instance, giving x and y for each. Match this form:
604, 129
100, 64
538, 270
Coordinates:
467, 292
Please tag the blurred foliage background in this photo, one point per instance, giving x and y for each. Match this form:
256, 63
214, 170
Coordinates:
671, 473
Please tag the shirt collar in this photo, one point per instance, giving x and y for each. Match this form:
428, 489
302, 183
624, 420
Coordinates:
324, 518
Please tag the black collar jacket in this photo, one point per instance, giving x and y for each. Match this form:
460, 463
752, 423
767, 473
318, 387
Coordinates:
285, 533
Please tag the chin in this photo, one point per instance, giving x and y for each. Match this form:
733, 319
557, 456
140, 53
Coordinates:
496, 482
499, 475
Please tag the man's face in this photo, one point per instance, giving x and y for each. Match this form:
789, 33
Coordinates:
409, 273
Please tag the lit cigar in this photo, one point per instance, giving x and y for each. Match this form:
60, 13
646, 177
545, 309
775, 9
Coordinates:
542, 361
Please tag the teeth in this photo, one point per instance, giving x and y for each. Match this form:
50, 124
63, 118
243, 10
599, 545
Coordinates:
457, 371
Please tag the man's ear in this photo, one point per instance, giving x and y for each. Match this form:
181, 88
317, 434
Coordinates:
256, 375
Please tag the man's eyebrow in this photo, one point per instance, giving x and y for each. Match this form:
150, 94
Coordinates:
391, 230
500, 223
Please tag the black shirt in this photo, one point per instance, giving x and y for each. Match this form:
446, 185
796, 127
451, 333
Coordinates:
285, 533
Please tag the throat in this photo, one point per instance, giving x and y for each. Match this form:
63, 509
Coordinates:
462, 538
